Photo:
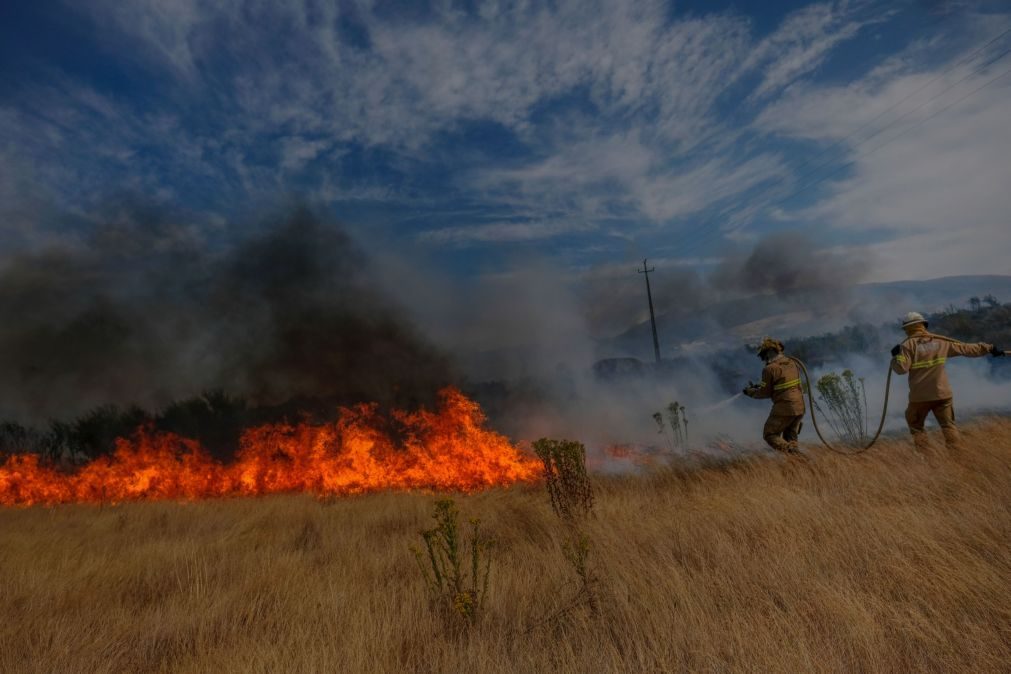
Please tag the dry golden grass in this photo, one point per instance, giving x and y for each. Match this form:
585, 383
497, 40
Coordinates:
888, 562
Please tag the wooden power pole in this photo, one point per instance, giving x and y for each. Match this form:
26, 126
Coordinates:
652, 317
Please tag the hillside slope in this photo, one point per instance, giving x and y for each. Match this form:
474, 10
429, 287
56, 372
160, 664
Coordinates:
889, 561
798, 315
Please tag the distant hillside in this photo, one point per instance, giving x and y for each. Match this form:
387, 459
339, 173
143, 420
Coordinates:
730, 323
989, 324
736, 363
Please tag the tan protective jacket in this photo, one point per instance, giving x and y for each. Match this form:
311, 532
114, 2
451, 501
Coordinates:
781, 382
923, 357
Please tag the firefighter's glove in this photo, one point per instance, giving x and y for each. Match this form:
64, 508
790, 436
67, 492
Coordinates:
997, 353
896, 350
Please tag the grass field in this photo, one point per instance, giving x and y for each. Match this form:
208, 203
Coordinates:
886, 562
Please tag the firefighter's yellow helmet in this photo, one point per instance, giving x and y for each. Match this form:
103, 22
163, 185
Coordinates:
770, 344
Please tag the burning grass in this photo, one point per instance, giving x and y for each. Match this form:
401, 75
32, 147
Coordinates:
448, 448
888, 561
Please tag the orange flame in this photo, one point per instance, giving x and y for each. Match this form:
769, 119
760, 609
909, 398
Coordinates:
449, 449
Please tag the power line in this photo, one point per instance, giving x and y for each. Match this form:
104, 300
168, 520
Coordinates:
893, 138
931, 24
937, 77
910, 112
910, 128
976, 70
965, 59
886, 127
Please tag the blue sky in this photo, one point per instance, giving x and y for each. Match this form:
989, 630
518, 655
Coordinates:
589, 134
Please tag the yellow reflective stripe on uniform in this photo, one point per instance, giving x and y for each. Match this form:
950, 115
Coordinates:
900, 358
787, 384
928, 363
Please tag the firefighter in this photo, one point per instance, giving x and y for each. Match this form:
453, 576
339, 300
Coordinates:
781, 382
922, 356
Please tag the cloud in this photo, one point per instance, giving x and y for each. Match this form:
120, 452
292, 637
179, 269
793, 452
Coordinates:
297, 151
401, 83
621, 175
804, 41
498, 232
929, 187
629, 119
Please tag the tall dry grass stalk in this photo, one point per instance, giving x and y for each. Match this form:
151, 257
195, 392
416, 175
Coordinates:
884, 562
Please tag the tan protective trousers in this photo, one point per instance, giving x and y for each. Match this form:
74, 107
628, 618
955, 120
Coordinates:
781, 432
944, 412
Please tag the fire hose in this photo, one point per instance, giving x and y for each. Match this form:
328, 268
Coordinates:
814, 417
884, 407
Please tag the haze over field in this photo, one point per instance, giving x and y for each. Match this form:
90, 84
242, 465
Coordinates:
343, 202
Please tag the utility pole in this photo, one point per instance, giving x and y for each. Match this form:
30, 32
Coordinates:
652, 317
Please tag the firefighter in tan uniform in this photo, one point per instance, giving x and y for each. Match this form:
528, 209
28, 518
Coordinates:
922, 355
781, 382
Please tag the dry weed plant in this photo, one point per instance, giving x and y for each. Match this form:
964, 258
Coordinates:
678, 420
846, 400
577, 552
565, 477
571, 495
454, 593
679, 424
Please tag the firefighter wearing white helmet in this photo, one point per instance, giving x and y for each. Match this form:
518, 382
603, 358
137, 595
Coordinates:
922, 356
781, 382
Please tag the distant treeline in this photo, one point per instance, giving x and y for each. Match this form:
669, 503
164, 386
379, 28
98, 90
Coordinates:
984, 321
214, 418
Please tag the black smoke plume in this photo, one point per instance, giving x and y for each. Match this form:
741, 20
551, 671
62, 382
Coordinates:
140, 310
790, 263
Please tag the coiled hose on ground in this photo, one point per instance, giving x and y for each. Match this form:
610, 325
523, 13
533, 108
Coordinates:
884, 408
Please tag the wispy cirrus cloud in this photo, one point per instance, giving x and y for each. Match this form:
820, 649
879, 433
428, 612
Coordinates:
928, 179
500, 232
630, 119
805, 40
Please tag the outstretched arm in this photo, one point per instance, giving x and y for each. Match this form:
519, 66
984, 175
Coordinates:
969, 350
